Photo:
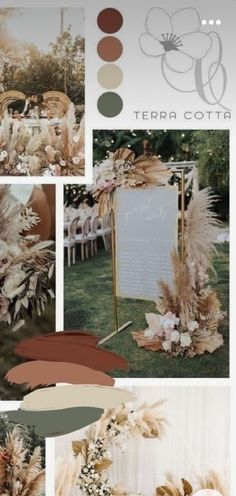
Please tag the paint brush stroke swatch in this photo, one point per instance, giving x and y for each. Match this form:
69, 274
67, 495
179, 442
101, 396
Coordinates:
71, 348
56, 422
71, 336
40, 373
61, 397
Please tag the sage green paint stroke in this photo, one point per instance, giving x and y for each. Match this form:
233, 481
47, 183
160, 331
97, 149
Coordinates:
110, 104
56, 423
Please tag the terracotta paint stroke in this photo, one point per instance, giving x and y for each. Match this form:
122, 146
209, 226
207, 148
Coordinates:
80, 336
56, 422
40, 373
61, 397
69, 349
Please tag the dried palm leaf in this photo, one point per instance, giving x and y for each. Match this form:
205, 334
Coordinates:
202, 229
175, 488
37, 141
216, 481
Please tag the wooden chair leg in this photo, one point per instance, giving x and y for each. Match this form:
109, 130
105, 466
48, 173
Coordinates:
68, 256
82, 251
104, 241
74, 253
86, 250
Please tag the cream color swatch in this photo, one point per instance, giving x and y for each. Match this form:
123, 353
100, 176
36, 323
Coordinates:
110, 76
61, 397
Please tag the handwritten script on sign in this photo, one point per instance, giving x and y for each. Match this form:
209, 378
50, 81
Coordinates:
146, 233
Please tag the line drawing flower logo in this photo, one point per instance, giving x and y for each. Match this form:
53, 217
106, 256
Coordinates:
171, 38
181, 46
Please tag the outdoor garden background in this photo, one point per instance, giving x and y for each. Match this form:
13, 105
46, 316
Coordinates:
88, 285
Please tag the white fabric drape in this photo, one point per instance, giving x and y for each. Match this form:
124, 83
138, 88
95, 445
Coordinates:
197, 438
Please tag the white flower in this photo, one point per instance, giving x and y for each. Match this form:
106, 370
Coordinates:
148, 333
175, 336
62, 163
76, 160
4, 303
185, 340
154, 323
169, 321
3, 155
166, 345
3, 250
13, 283
106, 165
192, 325
176, 39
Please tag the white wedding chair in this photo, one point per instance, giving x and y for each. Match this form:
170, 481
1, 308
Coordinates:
105, 230
83, 237
70, 240
93, 234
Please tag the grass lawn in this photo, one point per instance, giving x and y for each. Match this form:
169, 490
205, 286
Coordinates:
88, 305
8, 341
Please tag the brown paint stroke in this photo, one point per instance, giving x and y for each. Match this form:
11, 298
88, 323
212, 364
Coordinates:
41, 373
69, 349
82, 336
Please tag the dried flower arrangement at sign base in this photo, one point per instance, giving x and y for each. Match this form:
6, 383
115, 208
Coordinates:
88, 468
26, 264
190, 311
21, 474
122, 170
55, 150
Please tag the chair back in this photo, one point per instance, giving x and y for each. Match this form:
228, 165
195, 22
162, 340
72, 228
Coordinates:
94, 224
57, 102
72, 229
85, 228
8, 97
106, 221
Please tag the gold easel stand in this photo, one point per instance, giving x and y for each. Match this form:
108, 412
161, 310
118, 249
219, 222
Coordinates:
117, 329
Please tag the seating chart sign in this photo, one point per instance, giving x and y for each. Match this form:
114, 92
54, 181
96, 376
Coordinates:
146, 233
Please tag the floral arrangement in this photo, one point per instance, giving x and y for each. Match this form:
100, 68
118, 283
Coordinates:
212, 480
21, 474
26, 264
88, 469
190, 311
54, 150
123, 170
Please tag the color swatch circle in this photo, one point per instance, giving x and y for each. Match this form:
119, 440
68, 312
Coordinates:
110, 20
110, 48
110, 76
110, 104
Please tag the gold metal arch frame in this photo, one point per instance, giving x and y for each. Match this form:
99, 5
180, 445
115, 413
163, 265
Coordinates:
116, 328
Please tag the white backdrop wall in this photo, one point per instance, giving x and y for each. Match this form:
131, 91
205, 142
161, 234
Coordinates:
197, 438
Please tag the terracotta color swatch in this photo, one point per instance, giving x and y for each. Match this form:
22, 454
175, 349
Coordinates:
61, 397
81, 336
70, 348
56, 422
110, 48
110, 20
40, 373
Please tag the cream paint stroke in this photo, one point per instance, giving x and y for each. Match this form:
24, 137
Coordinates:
61, 397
